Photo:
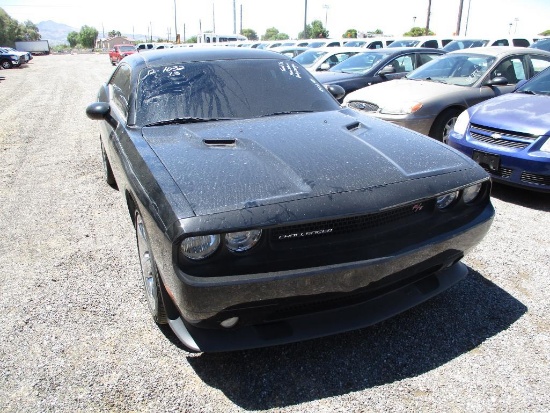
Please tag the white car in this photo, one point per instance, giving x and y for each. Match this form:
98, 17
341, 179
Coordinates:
323, 58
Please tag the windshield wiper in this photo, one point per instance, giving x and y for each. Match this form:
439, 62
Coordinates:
185, 120
290, 112
435, 80
527, 92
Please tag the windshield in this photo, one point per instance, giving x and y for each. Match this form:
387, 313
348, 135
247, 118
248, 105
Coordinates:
539, 85
309, 57
127, 48
360, 63
464, 44
404, 43
454, 69
228, 89
355, 43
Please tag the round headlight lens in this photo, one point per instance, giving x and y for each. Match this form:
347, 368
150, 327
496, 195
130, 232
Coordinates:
470, 194
444, 201
461, 123
200, 247
243, 240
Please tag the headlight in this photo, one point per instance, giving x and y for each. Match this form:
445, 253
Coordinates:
462, 123
546, 146
242, 241
397, 108
470, 194
444, 201
200, 247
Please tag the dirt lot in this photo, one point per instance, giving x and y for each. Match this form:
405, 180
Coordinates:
77, 336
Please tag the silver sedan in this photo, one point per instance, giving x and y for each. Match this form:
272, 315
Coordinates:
430, 98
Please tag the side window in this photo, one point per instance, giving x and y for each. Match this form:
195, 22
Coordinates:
334, 44
403, 64
512, 69
501, 42
376, 45
120, 83
539, 64
521, 42
424, 58
431, 44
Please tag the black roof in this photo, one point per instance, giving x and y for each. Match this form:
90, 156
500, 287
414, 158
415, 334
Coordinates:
190, 54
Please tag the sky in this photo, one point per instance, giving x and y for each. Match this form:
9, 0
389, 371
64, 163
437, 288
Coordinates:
395, 17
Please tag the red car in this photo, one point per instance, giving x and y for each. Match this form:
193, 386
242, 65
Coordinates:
120, 51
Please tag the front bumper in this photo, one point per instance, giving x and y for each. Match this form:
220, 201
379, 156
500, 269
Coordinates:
521, 168
417, 124
286, 306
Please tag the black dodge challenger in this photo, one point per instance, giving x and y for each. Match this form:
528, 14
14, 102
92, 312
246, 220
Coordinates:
264, 212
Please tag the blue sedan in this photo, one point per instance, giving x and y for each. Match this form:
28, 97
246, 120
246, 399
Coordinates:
509, 136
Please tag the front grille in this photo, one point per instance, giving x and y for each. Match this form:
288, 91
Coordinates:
535, 178
502, 172
363, 106
501, 137
351, 224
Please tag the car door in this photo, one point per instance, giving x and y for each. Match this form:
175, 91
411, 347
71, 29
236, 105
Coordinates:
119, 89
513, 68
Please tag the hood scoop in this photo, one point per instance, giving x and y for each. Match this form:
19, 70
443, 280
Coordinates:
353, 126
220, 142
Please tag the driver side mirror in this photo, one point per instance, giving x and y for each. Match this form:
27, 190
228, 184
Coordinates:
389, 69
497, 81
323, 67
337, 91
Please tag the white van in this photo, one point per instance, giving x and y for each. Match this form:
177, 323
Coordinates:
433, 42
370, 42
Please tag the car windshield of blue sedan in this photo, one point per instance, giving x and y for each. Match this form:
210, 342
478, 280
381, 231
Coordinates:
539, 85
454, 69
360, 63
228, 89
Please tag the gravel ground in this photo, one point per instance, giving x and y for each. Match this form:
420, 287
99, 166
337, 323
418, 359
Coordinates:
77, 336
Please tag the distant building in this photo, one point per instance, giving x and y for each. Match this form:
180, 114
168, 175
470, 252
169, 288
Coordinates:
109, 42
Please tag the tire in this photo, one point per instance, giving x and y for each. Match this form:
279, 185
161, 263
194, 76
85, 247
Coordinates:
6, 64
107, 170
443, 124
149, 272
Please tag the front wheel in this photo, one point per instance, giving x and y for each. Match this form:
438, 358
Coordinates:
149, 272
6, 64
443, 125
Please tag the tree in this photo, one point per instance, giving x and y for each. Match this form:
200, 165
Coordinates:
192, 39
72, 38
270, 34
545, 33
114, 33
87, 36
418, 31
250, 34
29, 31
314, 30
350, 33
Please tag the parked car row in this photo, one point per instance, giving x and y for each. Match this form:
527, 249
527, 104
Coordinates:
475, 100
10, 57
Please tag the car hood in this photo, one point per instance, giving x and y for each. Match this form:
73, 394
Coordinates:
230, 165
407, 90
516, 112
335, 77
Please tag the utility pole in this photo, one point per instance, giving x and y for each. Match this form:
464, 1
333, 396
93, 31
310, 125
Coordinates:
234, 18
428, 18
175, 22
305, 20
241, 32
213, 20
459, 21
